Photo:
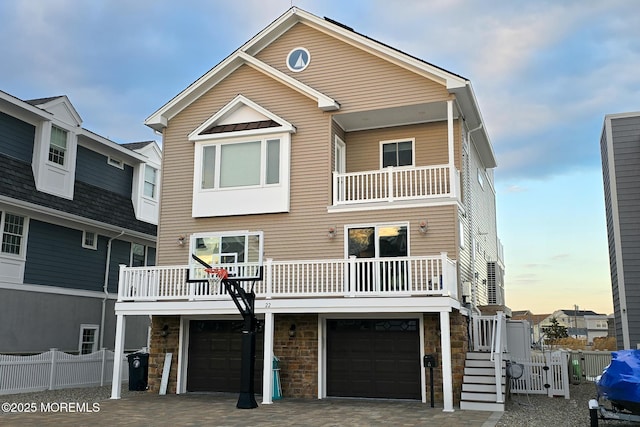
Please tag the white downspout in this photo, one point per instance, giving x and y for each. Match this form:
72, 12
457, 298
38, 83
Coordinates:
105, 288
474, 298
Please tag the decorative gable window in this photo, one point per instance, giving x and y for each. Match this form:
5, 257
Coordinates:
396, 153
58, 145
242, 162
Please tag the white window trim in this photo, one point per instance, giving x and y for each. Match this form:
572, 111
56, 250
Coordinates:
263, 162
65, 164
376, 226
84, 327
25, 233
116, 163
146, 253
395, 141
340, 146
155, 184
193, 265
84, 240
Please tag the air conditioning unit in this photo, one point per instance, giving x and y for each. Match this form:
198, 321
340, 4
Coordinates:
466, 289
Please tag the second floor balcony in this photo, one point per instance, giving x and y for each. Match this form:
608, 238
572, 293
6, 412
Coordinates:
331, 278
396, 184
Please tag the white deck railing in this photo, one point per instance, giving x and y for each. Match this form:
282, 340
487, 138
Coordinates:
392, 184
353, 277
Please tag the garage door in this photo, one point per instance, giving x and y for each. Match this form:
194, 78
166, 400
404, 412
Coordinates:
373, 358
215, 353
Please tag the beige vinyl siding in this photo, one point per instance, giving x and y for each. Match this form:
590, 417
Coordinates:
309, 172
357, 79
431, 146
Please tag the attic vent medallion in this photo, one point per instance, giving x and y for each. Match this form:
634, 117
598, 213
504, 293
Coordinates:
298, 59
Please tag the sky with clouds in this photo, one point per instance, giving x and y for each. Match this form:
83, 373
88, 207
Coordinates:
545, 74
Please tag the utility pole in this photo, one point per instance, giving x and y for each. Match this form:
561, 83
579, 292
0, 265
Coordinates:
575, 318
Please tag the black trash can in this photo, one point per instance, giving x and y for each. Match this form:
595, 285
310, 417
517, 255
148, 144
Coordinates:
138, 371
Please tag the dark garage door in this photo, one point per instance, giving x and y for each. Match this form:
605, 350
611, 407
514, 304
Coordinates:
373, 358
215, 351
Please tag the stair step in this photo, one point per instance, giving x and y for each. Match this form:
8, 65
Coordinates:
481, 388
481, 379
479, 363
482, 371
482, 406
478, 355
479, 397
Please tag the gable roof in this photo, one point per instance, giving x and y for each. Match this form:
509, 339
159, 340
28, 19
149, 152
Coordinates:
455, 84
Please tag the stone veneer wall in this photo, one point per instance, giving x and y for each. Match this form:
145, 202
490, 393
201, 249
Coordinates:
161, 345
459, 348
298, 355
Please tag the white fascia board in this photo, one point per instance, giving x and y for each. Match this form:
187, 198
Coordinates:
68, 106
325, 103
111, 146
285, 126
26, 107
159, 119
66, 219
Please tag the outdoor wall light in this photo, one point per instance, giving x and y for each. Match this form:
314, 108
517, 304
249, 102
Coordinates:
292, 330
181, 240
165, 331
332, 232
423, 226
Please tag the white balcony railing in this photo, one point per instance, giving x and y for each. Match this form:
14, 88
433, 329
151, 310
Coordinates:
394, 184
353, 277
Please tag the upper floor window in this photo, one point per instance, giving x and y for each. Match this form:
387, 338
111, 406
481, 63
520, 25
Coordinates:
150, 178
396, 153
89, 240
241, 164
378, 241
58, 145
13, 229
480, 178
138, 255
115, 162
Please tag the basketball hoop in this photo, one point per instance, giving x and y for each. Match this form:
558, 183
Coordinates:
216, 275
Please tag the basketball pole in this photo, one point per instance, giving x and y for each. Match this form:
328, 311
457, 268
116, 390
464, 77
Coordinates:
245, 302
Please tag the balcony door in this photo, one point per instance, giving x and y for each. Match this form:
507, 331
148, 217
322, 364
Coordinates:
382, 243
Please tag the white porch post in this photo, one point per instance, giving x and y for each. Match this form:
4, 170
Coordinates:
447, 375
116, 381
267, 369
450, 143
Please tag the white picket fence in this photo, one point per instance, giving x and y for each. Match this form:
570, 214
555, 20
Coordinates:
56, 370
543, 373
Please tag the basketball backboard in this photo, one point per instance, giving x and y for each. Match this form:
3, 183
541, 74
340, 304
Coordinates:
238, 252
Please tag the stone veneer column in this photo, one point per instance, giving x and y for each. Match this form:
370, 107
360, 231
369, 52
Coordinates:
298, 355
162, 344
459, 347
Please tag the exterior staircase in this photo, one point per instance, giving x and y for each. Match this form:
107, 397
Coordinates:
479, 383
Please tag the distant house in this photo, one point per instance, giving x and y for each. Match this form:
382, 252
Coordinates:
73, 206
597, 326
576, 322
361, 178
535, 323
620, 150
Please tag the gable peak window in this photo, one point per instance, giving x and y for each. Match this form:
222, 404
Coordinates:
58, 145
397, 153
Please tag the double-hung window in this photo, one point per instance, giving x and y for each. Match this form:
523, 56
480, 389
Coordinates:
58, 145
13, 230
397, 153
138, 255
150, 181
88, 342
241, 164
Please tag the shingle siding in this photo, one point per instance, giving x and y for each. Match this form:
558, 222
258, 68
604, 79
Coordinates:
92, 168
16, 138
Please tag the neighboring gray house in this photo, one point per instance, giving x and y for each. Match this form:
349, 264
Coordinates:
620, 148
73, 206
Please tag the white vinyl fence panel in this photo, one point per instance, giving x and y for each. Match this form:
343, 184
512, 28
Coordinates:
543, 373
55, 370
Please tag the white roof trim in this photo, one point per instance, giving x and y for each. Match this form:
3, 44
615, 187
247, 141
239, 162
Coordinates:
285, 126
67, 104
160, 118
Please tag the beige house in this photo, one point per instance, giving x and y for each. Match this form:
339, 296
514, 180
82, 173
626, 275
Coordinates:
361, 179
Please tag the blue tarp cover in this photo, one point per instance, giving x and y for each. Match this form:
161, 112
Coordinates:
620, 381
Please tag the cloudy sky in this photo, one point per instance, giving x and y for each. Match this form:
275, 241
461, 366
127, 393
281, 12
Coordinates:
545, 74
